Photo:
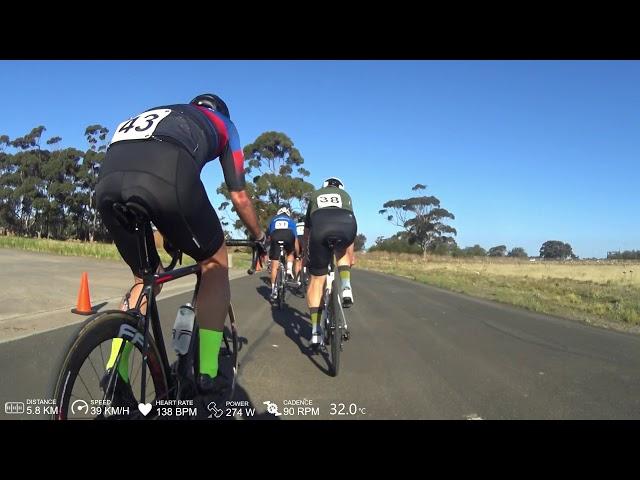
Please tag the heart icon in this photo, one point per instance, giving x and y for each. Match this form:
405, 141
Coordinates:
144, 408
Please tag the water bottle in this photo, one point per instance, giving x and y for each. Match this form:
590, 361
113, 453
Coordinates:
183, 328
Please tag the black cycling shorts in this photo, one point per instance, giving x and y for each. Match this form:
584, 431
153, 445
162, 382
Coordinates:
164, 178
329, 224
283, 235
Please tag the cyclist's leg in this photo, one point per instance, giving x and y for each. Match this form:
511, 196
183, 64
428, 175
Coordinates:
274, 252
113, 181
290, 250
319, 259
344, 226
343, 262
191, 224
352, 255
298, 261
212, 306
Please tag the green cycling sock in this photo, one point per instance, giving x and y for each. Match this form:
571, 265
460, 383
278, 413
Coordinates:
345, 275
315, 313
210, 341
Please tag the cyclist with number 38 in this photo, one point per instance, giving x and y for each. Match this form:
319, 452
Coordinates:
155, 160
329, 216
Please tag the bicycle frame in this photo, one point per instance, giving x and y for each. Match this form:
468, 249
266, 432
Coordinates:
151, 316
331, 286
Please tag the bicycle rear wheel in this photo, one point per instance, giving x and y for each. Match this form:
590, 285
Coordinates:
281, 286
78, 392
337, 324
335, 334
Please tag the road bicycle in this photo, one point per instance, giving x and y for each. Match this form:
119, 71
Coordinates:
167, 386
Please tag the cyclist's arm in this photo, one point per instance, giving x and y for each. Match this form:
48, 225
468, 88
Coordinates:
232, 158
246, 212
232, 161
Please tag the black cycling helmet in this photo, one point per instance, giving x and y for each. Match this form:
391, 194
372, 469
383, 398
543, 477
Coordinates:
333, 182
213, 102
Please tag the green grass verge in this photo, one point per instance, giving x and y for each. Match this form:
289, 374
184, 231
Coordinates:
577, 299
106, 251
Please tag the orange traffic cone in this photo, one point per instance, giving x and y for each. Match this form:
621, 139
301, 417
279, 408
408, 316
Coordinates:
84, 302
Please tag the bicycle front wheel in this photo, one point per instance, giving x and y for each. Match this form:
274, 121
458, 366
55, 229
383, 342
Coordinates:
79, 393
228, 359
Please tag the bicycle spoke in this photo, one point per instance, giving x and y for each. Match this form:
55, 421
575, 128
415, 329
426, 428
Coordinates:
102, 356
85, 386
133, 361
94, 368
138, 371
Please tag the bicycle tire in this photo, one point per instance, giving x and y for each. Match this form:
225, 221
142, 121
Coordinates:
335, 338
235, 345
337, 321
103, 327
281, 286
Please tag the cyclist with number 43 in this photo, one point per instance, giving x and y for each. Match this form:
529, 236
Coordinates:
155, 160
282, 228
329, 216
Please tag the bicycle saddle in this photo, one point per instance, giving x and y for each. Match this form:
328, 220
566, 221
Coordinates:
333, 240
130, 215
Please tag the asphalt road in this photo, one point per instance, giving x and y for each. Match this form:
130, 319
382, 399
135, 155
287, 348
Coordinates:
416, 352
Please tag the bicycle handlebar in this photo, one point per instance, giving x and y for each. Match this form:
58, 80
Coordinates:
230, 243
254, 253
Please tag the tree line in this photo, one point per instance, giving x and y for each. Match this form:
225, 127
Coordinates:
626, 255
425, 230
47, 191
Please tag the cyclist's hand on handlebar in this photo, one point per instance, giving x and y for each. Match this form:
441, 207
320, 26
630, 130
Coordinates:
261, 244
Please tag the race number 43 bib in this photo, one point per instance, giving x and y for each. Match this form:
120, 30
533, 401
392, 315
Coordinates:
280, 224
329, 200
140, 127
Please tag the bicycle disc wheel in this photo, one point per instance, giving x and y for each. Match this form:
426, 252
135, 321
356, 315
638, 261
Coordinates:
78, 393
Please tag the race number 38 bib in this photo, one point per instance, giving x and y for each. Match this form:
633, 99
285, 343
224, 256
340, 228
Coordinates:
280, 224
140, 127
329, 200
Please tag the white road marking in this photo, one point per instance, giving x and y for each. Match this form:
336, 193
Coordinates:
473, 416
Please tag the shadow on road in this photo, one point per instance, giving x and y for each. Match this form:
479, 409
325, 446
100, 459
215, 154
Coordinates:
296, 326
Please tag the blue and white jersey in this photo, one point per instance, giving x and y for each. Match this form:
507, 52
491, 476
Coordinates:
282, 222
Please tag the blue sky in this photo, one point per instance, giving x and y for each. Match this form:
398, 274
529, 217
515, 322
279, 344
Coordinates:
520, 151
